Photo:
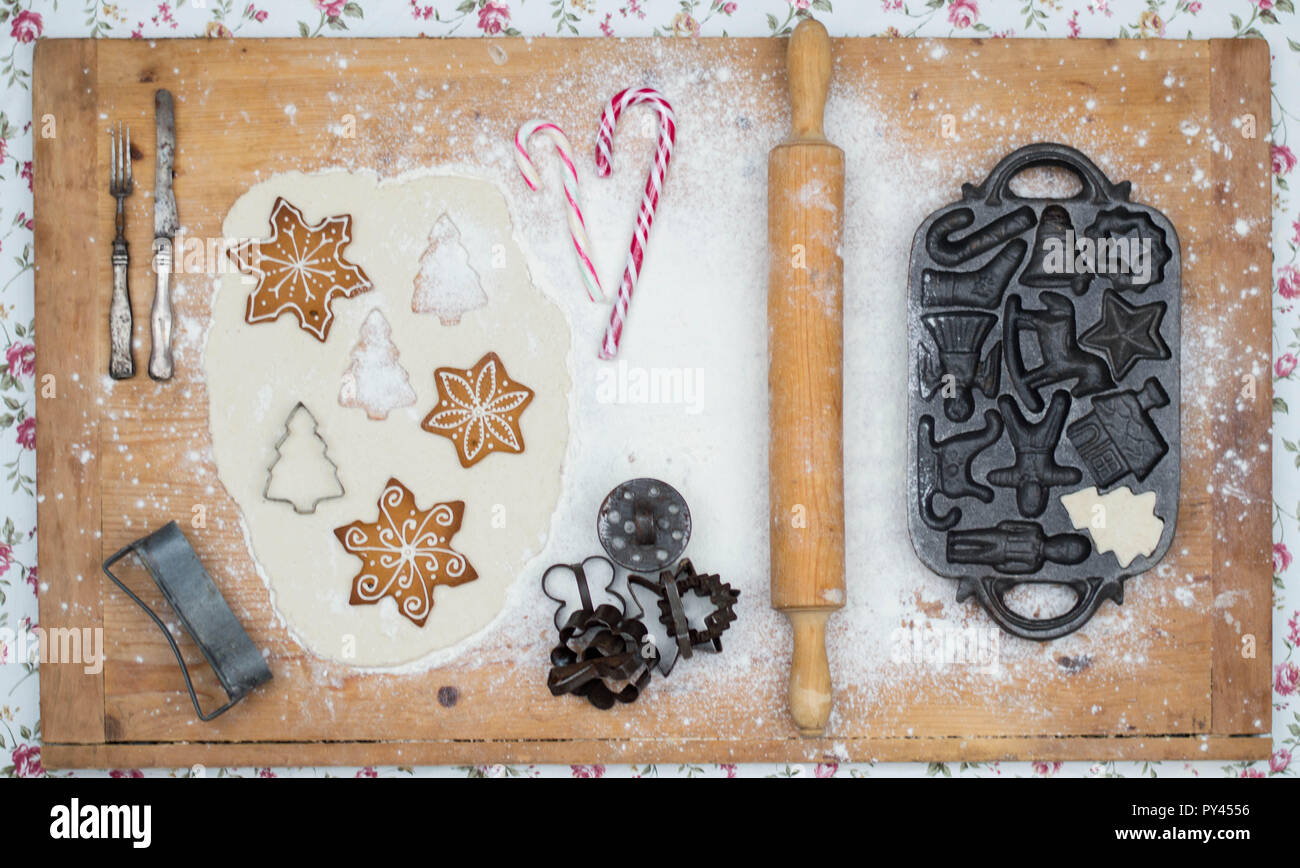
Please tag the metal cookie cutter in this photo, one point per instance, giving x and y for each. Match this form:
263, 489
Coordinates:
206, 616
324, 446
600, 654
671, 588
644, 524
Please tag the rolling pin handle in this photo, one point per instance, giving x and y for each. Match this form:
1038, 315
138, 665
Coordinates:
808, 69
810, 672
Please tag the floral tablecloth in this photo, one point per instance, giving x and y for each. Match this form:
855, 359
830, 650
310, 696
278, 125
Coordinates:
22, 22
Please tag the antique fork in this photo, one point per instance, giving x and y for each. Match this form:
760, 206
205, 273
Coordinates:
121, 363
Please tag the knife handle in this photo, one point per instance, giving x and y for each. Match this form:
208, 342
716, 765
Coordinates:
160, 317
121, 362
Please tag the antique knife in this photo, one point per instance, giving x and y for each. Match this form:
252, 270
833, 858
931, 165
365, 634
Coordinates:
166, 224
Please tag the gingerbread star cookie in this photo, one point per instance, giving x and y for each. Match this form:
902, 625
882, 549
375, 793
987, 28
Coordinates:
300, 269
406, 552
478, 410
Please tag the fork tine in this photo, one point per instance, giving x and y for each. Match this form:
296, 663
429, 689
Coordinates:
112, 160
126, 154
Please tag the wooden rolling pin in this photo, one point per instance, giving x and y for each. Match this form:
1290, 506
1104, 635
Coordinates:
805, 216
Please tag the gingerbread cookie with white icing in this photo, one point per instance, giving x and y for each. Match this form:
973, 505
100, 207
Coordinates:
478, 409
406, 552
300, 269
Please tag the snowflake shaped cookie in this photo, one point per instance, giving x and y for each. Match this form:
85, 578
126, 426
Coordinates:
478, 410
300, 269
406, 552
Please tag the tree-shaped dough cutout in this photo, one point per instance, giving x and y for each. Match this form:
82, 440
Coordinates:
375, 381
447, 284
302, 473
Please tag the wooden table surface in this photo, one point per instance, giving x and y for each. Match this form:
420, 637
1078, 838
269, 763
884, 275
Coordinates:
1202, 690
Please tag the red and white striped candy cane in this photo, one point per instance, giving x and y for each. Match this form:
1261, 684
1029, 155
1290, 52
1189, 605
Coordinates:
653, 187
577, 226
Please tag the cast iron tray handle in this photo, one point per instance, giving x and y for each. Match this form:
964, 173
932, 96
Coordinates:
1090, 594
1097, 188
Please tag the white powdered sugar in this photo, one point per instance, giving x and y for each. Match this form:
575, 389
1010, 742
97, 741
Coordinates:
699, 317
375, 380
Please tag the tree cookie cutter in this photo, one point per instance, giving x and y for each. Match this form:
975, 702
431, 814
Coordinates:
644, 524
325, 453
671, 589
1044, 357
205, 614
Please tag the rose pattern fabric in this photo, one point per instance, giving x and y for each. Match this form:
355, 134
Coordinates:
493, 18
29, 20
1288, 281
25, 26
1283, 160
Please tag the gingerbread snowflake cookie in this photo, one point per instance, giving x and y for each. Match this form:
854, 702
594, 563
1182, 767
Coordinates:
300, 269
478, 409
406, 552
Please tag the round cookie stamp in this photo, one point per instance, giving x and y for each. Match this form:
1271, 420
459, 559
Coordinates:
644, 524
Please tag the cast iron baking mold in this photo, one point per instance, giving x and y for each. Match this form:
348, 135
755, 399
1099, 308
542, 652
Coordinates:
1044, 353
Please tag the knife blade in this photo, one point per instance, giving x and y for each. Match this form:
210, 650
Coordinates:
166, 223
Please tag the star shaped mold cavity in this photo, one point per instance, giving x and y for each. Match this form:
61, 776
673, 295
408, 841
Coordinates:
478, 409
406, 552
1127, 333
300, 269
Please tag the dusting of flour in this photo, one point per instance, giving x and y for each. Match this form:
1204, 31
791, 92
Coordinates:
700, 313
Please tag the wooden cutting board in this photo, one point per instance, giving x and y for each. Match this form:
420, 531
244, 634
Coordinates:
1202, 690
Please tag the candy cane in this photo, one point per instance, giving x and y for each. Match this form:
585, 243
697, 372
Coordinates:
577, 227
653, 186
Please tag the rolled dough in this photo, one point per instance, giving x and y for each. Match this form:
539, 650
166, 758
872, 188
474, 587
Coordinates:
1119, 521
257, 373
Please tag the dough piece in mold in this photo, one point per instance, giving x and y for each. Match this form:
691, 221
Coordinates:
375, 381
406, 552
446, 285
302, 474
1119, 521
300, 269
478, 410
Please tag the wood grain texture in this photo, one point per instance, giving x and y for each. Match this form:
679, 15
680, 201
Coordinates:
232, 127
805, 312
1242, 280
640, 751
71, 356
805, 326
